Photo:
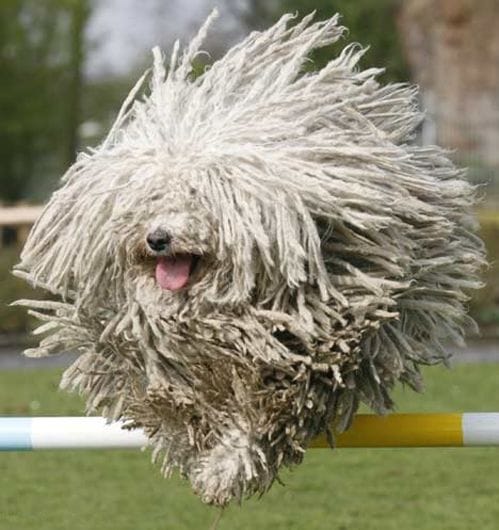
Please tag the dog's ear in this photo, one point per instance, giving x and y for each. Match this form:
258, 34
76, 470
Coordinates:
68, 248
266, 241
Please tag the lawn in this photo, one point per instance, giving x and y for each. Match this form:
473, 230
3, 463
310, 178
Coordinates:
345, 489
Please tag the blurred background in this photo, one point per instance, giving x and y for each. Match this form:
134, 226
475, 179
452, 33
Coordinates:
65, 67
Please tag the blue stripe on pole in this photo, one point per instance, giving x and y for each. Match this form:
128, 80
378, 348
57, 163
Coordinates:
15, 434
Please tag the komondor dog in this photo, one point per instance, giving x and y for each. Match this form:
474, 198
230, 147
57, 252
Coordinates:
251, 253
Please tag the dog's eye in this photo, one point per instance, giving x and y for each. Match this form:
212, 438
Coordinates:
156, 196
192, 192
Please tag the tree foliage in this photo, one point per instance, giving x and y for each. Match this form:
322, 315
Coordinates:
41, 56
42, 51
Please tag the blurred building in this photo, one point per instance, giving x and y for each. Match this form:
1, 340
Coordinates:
453, 50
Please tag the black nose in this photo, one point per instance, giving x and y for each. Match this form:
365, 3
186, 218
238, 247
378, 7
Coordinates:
158, 240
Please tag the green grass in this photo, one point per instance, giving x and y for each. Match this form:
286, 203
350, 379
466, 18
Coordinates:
345, 489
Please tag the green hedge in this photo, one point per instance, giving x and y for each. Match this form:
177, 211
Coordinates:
485, 303
13, 319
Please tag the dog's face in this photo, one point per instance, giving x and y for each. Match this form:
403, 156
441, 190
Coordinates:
173, 249
201, 238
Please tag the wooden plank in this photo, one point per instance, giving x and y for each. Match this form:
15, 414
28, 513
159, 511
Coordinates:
19, 215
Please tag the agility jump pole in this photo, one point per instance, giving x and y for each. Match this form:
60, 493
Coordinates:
396, 430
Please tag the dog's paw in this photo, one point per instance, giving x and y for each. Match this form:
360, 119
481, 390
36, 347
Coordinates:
231, 469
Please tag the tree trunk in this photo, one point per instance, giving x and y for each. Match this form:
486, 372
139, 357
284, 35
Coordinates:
79, 17
453, 49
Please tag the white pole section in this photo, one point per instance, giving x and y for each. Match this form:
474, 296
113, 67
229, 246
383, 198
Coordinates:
480, 428
66, 433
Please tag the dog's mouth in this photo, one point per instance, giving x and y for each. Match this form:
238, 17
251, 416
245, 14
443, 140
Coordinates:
174, 272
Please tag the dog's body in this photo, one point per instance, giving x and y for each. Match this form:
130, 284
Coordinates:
251, 253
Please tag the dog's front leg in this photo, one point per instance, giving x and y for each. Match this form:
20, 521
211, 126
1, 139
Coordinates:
232, 468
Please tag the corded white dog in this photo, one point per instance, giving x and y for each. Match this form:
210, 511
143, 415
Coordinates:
251, 253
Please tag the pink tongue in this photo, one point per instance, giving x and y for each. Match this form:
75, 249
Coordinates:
172, 273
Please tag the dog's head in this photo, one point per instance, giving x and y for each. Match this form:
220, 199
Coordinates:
218, 188
161, 233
